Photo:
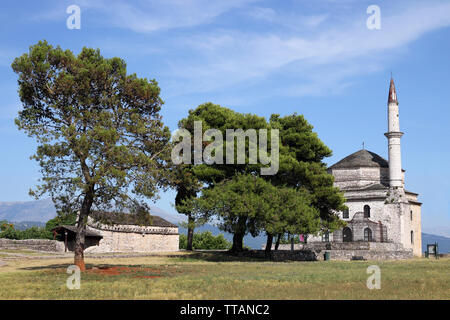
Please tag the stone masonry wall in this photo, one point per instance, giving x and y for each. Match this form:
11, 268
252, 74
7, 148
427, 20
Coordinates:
116, 241
342, 255
342, 251
33, 244
416, 227
375, 246
360, 177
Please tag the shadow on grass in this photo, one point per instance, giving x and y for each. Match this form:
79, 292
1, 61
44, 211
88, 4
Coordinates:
218, 256
53, 267
115, 271
194, 256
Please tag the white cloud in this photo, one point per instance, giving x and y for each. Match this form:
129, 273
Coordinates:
290, 20
231, 57
303, 44
149, 16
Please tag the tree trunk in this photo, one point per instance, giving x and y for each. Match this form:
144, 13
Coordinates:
268, 246
238, 241
81, 230
277, 244
238, 236
190, 233
79, 245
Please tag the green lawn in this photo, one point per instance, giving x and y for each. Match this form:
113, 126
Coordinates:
215, 276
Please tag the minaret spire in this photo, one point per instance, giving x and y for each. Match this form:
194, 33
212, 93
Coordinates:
392, 93
394, 135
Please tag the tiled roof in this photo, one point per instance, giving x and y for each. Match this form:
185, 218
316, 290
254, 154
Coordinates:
128, 219
360, 159
88, 233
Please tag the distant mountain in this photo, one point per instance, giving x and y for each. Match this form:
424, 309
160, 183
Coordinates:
24, 225
174, 218
44, 210
443, 242
441, 230
38, 211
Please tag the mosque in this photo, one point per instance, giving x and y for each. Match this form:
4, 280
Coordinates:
382, 214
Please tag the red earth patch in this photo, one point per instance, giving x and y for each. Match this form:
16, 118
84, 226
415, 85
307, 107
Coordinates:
139, 272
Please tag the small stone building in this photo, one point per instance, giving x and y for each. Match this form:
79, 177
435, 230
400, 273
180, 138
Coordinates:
120, 232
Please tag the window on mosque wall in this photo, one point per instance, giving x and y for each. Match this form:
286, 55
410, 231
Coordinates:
326, 237
345, 214
366, 211
412, 236
367, 234
411, 215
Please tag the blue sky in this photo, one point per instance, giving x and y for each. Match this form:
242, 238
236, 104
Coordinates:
315, 58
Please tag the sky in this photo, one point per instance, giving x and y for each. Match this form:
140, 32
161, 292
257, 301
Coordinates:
317, 58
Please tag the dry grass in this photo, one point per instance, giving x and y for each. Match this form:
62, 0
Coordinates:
216, 276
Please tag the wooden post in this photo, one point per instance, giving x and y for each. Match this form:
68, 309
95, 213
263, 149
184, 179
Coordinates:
65, 241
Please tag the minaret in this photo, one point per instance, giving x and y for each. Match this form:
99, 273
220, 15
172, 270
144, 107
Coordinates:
394, 135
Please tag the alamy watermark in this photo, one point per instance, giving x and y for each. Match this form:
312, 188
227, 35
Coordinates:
213, 152
74, 281
374, 280
74, 20
374, 20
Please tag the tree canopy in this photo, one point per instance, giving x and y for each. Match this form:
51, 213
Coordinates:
299, 198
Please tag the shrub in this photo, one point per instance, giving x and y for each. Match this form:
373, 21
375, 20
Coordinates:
36, 233
206, 241
8, 232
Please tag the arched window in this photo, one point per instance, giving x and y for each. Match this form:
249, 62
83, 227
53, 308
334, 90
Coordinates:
347, 235
326, 237
366, 211
367, 234
412, 237
345, 214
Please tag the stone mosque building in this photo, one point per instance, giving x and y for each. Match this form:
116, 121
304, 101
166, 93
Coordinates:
383, 216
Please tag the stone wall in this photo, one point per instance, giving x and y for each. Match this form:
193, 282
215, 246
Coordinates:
341, 255
412, 222
127, 241
138, 239
375, 246
33, 244
356, 206
282, 255
342, 251
360, 177
367, 255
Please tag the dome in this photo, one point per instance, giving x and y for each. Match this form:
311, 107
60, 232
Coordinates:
361, 159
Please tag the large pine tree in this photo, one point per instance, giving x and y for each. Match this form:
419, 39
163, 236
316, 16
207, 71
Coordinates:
101, 141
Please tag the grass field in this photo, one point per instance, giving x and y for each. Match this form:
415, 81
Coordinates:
218, 276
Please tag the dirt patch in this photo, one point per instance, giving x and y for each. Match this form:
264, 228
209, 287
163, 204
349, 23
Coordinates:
136, 272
